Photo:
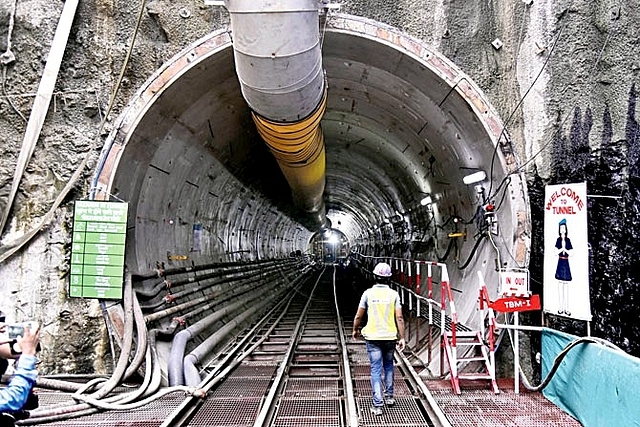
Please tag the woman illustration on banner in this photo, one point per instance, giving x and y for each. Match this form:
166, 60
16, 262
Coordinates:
563, 271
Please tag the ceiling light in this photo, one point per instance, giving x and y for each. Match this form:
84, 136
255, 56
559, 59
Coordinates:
474, 177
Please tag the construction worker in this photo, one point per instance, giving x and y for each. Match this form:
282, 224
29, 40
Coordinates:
383, 332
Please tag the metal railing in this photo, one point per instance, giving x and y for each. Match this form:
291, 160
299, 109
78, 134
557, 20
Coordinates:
414, 280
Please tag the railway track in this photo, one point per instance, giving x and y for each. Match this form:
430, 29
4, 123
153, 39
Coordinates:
299, 367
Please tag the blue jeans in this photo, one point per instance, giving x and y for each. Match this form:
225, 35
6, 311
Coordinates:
381, 359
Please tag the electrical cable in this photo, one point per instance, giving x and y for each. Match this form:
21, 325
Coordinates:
592, 75
473, 252
558, 359
446, 254
13, 247
191, 391
112, 382
553, 136
141, 334
515, 109
127, 342
148, 389
504, 192
495, 247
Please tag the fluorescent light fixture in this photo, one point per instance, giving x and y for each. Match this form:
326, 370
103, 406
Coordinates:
426, 201
474, 177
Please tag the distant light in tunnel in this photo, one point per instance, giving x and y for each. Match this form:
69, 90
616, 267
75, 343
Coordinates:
474, 177
426, 201
333, 239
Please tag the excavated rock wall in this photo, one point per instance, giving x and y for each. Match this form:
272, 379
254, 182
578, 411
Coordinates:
535, 60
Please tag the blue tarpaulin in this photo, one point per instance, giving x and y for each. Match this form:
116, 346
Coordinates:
596, 384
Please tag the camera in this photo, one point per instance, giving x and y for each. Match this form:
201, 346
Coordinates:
17, 329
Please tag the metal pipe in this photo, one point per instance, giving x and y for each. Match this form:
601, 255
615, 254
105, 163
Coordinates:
180, 340
278, 61
191, 372
235, 286
278, 56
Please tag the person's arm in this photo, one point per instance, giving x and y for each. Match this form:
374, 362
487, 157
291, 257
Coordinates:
400, 324
362, 309
356, 322
14, 396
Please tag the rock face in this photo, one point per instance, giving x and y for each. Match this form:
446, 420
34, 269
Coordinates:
537, 61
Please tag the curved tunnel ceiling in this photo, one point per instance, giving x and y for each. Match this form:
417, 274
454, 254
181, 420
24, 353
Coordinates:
402, 122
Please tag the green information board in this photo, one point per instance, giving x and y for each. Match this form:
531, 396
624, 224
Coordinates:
97, 249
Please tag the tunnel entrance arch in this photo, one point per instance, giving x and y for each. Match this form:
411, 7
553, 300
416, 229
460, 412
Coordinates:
403, 124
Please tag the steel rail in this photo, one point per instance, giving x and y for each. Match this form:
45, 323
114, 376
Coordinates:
268, 405
230, 361
352, 411
299, 320
436, 415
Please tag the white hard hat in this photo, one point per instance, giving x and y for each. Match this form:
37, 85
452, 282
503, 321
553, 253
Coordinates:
382, 269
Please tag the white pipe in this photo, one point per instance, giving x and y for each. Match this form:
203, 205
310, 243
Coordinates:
278, 56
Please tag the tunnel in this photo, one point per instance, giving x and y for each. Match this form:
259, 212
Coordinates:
418, 164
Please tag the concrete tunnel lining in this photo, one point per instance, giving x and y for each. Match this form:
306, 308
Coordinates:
185, 151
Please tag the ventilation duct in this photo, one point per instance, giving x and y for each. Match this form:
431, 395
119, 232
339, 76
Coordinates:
278, 61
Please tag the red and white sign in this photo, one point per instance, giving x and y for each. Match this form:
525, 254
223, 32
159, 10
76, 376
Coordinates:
514, 283
513, 304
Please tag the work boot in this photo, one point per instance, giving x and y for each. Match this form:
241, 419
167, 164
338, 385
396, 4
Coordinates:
376, 410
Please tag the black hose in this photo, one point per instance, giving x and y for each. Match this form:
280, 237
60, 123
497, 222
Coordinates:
557, 360
473, 252
446, 254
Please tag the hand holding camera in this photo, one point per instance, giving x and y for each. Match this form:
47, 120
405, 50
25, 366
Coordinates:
26, 336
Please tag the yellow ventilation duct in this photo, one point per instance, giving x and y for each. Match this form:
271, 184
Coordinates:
299, 149
278, 58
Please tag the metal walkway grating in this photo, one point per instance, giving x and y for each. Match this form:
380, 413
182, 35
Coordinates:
312, 387
314, 370
151, 415
229, 412
308, 412
480, 407
400, 387
242, 387
405, 413
254, 370
316, 358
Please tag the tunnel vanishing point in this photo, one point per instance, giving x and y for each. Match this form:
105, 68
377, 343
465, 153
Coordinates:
401, 153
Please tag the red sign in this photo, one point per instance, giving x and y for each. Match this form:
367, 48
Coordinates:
511, 304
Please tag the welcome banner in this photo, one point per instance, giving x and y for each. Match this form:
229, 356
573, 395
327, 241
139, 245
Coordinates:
566, 251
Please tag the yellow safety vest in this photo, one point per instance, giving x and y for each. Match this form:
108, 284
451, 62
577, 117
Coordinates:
380, 302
